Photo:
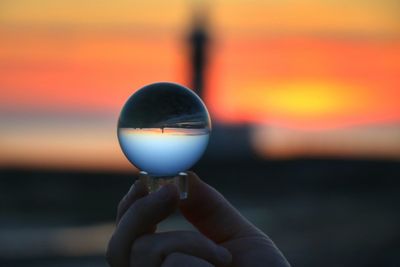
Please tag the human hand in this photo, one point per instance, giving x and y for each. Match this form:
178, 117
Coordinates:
135, 243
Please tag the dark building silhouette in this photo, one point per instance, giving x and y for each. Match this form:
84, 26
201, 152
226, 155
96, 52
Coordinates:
198, 42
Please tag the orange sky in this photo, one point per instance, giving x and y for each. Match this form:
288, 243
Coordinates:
296, 81
309, 81
310, 65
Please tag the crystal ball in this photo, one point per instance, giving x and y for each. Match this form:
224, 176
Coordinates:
163, 129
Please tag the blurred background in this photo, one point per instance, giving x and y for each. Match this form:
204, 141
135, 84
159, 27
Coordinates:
304, 98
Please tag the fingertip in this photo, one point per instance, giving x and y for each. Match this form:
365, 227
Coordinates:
210, 212
201, 199
195, 185
197, 191
193, 177
137, 191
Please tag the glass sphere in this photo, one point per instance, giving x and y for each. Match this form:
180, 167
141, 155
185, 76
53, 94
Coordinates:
163, 129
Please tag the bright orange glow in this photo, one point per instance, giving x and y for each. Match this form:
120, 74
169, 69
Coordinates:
307, 99
308, 82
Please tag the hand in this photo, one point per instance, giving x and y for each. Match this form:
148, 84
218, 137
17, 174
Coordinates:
134, 242
213, 215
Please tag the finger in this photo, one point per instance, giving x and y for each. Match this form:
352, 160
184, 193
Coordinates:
182, 260
137, 190
151, 250
211, 213
139, 219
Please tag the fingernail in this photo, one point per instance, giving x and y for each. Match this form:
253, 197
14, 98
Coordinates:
224, 255
131, 189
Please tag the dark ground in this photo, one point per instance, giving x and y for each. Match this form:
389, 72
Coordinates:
319, 212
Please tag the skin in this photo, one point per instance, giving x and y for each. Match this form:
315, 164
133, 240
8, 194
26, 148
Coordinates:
225, 237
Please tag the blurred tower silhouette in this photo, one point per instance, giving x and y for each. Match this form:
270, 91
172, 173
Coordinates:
198, 44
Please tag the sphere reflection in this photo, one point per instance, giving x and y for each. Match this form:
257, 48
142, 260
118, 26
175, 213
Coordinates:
164, 129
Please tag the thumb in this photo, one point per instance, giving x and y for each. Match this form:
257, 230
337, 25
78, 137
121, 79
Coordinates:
212, 214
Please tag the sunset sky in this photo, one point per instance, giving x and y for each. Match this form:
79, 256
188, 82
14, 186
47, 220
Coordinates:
329, 69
